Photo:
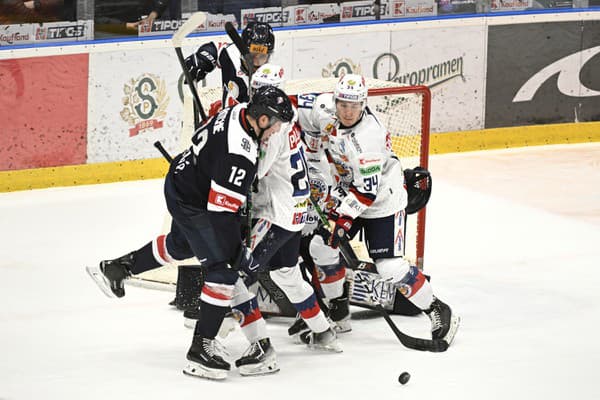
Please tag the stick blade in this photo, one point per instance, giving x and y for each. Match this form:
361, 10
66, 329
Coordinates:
188, 27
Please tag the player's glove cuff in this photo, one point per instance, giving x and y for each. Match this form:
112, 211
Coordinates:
343, 224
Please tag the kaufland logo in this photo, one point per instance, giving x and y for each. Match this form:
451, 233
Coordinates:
13, 37
300, 15
60, 32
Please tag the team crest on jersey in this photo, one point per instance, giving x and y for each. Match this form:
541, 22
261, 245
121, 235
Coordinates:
318, 190
145, 102
320, 274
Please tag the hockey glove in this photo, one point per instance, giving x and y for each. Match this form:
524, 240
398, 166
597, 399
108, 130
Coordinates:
200, 64
343, 223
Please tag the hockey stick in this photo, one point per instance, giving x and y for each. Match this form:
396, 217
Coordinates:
185, 29
241, 46
244, 51
411, 342
163, 151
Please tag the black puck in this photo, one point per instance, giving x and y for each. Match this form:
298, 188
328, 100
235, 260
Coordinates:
404, 378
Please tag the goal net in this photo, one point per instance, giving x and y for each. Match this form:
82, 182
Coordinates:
403, 110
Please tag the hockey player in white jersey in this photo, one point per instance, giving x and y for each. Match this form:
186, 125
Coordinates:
279, 211
327, 271
370, 195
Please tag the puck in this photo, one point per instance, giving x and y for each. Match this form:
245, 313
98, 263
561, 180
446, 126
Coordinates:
404, 378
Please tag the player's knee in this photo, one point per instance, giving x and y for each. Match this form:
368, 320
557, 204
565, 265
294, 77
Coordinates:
393, 269
291, 282
321, 253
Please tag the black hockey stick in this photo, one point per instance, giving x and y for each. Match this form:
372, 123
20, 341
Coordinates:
163, 151
411, 342
243, 49
185, 29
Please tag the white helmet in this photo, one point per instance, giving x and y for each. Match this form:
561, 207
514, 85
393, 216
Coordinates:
352, 88
267, 75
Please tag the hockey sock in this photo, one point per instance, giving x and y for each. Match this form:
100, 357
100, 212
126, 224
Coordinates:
144, 260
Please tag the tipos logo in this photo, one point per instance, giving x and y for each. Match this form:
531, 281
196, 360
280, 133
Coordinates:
145, 103
340, 67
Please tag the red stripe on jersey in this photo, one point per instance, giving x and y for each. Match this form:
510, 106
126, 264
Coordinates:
310, 312
254, 315
161, 247
365, 199
337, 276
223, 200
215, 295
419, 281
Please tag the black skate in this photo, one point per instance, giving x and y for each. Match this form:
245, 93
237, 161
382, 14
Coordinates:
110, 275
339, 312
204, 360
298, 330
443, 321
258, 359
326, 340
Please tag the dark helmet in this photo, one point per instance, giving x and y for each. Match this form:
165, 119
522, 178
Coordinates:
272, 102
259, 33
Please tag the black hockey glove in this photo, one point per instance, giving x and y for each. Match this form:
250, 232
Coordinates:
202, 62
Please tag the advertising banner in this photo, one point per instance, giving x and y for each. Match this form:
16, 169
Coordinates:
543, 73
44, 111
16, 34
450, 62
214, 22
510, 5
63, 31
134, 101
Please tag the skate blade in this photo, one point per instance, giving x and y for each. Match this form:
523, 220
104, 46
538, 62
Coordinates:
189, 323
454, 324
101, 281
330, 347
200, 371
259, 369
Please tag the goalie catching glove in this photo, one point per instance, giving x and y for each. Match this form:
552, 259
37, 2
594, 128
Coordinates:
343, 223
418, 188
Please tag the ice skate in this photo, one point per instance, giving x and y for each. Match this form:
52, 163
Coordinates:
258, 359
204, 360
298, 329
444, 323
110, 275
326, 340
339, 312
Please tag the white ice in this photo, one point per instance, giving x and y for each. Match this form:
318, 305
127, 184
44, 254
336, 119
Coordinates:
513, 245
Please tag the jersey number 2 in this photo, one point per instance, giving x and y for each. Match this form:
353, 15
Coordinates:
300, 178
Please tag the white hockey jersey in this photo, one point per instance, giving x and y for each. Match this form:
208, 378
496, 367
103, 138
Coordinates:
283, 186
368, 175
